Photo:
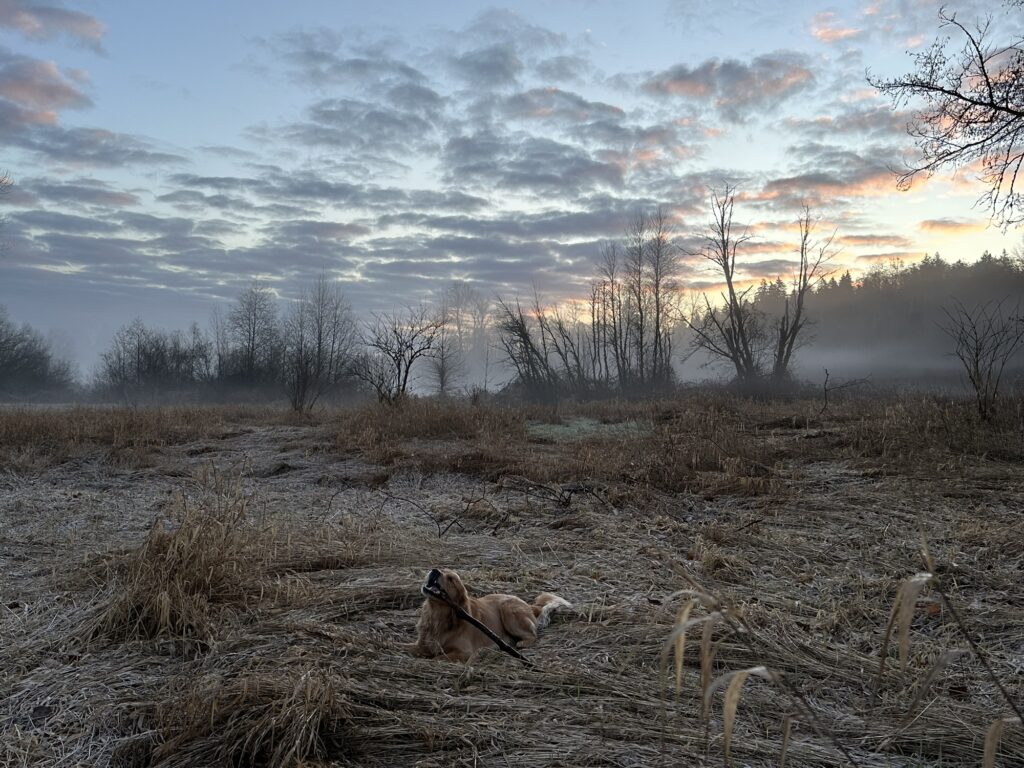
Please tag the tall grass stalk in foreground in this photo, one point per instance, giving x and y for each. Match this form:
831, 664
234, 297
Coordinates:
900, 619
902, 615
720, 613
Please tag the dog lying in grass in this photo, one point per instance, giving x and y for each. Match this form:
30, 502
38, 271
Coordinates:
442, 634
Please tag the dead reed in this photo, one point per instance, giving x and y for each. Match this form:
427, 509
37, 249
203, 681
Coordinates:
276, 713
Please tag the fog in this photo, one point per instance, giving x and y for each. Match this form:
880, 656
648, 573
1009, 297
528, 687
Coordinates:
888, 326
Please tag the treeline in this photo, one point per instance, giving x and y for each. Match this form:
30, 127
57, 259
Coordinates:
620, 338
252, 351
29, 368
636, 331
308, 349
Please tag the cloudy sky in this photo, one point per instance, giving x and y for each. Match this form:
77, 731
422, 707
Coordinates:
166, 154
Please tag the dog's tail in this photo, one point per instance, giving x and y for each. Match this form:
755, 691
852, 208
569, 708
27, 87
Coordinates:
546, 604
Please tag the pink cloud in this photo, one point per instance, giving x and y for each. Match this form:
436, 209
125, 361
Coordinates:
825, 29
43, 22
950, 226
38, 85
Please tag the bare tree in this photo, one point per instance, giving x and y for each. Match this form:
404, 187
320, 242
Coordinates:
318, 338
814, 257
448, 362
221, 334
735, 331
662, 261
971, 106
6, 182
525, 350
395, 342
615, 314
28, 363
984, 340
636, 246
252, 323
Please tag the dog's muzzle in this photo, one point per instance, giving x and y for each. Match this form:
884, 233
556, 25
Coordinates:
432, 586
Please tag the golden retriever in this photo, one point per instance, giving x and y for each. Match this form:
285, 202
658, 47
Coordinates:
442, 634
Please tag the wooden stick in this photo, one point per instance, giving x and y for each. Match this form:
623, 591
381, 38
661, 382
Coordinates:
463, 614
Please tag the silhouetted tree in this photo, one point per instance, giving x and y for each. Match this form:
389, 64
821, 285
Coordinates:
448, 362
525, 350
142, 360
615, 314
394, 343
28, 365
6, 182
662, 261
467, 336
789, 328
733, 332
972, 106
252, 324
984, 340
318, 338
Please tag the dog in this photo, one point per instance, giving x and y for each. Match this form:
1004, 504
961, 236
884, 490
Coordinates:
443, 635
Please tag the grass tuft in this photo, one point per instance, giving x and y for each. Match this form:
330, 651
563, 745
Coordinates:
186, 576
264, 717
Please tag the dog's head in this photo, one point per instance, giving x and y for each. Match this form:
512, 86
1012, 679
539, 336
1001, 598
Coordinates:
445, 586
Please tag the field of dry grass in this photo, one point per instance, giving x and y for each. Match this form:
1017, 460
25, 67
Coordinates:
215, 586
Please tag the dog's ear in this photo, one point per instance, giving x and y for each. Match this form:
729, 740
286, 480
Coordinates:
455, 588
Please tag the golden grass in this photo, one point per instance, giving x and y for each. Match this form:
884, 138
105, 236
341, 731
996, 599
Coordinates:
36, 437
701, 442
270, 715
189, 573
803, 529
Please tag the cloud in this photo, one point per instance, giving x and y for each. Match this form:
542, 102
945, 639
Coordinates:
37, 21
370, 129
419, 99
38, 85
92, 147
492, 66
306, 230
555, 104
297, 190
874, 122
823, 188
33, 92
526, 164
52, 221
950, 226
321, 57
84, 192
825, 28
875, 241
563, 68
507, 26
831, 175
735, 88
889, 257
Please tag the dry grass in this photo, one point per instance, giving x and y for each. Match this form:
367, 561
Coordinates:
717, 618
36, 437
706, 442
191, 571
275, 714
384, 433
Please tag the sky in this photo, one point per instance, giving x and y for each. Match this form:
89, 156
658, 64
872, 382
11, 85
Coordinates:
167, 154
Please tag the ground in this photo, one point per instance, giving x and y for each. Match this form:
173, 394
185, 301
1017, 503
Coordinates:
285, 646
